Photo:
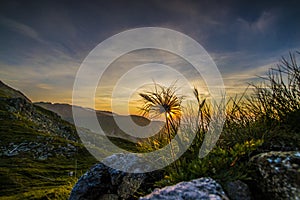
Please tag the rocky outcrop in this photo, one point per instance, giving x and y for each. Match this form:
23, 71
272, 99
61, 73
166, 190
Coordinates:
41, 131
202, 188
40, 150
103, 182
44, 120
277, 174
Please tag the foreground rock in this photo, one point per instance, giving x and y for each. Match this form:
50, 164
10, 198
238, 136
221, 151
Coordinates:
277, 174
103, 182
202, 188
238, 190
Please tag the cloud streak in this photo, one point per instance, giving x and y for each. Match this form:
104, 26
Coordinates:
21, 28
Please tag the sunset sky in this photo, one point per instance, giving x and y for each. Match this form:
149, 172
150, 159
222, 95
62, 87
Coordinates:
43, 43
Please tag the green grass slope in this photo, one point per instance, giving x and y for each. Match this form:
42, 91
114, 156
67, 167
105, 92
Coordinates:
38, 150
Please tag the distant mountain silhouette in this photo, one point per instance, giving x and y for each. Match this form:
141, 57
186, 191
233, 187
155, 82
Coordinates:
106, 119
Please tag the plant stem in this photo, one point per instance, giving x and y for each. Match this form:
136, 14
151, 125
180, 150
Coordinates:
169, 136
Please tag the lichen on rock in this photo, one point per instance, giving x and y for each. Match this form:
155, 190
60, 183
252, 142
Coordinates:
277, 174
202, 188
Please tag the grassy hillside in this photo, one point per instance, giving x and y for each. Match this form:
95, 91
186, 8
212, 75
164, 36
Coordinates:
38, 150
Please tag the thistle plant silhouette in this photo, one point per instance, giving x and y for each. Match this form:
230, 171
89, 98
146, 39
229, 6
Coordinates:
164, 102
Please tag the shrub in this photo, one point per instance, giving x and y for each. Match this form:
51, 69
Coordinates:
221, 164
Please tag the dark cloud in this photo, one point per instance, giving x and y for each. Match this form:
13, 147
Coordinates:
76, 26
238, 34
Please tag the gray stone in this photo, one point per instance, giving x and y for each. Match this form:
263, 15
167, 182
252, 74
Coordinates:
277, 174
103, 182
202, 188
238, 190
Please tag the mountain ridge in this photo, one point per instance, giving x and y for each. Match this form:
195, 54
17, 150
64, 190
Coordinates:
106, 119
9, 92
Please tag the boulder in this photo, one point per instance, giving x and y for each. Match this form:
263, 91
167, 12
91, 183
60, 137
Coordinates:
238, 190
277, 174
103, 182
202, 188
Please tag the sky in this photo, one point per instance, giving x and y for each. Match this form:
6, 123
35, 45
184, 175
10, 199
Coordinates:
43, 43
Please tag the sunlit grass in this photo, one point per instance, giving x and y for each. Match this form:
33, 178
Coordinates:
254, 123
